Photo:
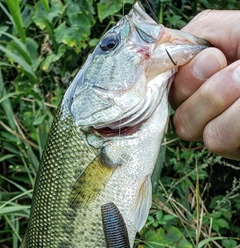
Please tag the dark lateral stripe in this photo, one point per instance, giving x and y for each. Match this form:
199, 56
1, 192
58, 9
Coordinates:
115, 231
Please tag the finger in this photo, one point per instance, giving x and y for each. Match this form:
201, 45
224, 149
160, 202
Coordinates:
191, 76
222, 134
218, 27
212, 98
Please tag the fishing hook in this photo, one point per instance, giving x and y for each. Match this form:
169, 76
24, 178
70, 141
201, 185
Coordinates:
170, 57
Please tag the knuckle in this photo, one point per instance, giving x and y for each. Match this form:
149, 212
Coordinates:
184, 130
205, 13
213, 140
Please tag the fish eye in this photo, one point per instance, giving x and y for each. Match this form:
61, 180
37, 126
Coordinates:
109, 43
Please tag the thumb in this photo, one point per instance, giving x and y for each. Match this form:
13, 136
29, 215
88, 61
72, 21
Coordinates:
192, 75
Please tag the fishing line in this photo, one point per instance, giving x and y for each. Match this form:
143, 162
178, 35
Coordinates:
120, 121
152, 12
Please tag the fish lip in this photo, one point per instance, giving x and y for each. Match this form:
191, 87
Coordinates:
174, 48
179, 37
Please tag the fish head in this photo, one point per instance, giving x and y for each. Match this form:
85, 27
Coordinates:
116, 81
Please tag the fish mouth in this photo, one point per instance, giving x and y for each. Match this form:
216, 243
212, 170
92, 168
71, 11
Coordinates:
132, 120
124, 131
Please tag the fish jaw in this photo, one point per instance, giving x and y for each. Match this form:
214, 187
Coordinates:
173, 49
169, 48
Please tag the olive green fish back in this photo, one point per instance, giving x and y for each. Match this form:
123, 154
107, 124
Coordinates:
63, 161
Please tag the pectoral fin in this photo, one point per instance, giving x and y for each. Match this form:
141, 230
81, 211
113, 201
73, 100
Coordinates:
139, 212
90, 183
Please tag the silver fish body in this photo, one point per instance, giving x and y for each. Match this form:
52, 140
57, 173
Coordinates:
106, 135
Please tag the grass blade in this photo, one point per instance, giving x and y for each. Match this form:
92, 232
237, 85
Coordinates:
19, 46
24, 65
14, 8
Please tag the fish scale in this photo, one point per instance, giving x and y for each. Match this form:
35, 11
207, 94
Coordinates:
63, 163
106, 136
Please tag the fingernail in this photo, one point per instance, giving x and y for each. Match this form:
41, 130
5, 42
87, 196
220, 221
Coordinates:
236, 75
207, 63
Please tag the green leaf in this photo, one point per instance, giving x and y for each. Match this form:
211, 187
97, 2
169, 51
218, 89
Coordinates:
19, 46
24, 65
70, 37
27, 15
18, 186
76, 30
215, 227
166, 238
45, 4
156, 238
3, 30
159, 215
9, 95
57, 8
93, 42
52, 57
221, 223
39, 120
32, 47
229, 243
108, 8
168, 217
6, 105
6, 157
207, 4
208, 240
14, 209
215, 200
40, 16
216, 214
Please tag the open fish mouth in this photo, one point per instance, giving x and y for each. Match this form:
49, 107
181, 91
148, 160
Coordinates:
131, 121
124, 131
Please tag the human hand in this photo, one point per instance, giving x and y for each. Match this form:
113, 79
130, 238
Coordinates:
206, 91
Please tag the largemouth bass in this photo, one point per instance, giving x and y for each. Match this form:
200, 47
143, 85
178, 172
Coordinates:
106, 136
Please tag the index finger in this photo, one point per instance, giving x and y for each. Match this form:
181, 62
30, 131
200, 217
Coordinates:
220, 27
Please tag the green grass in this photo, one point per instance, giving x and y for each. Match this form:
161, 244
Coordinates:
42, 45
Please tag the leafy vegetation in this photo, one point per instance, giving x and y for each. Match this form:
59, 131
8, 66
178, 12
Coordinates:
42, 45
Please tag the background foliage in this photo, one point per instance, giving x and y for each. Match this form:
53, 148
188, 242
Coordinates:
43, 43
